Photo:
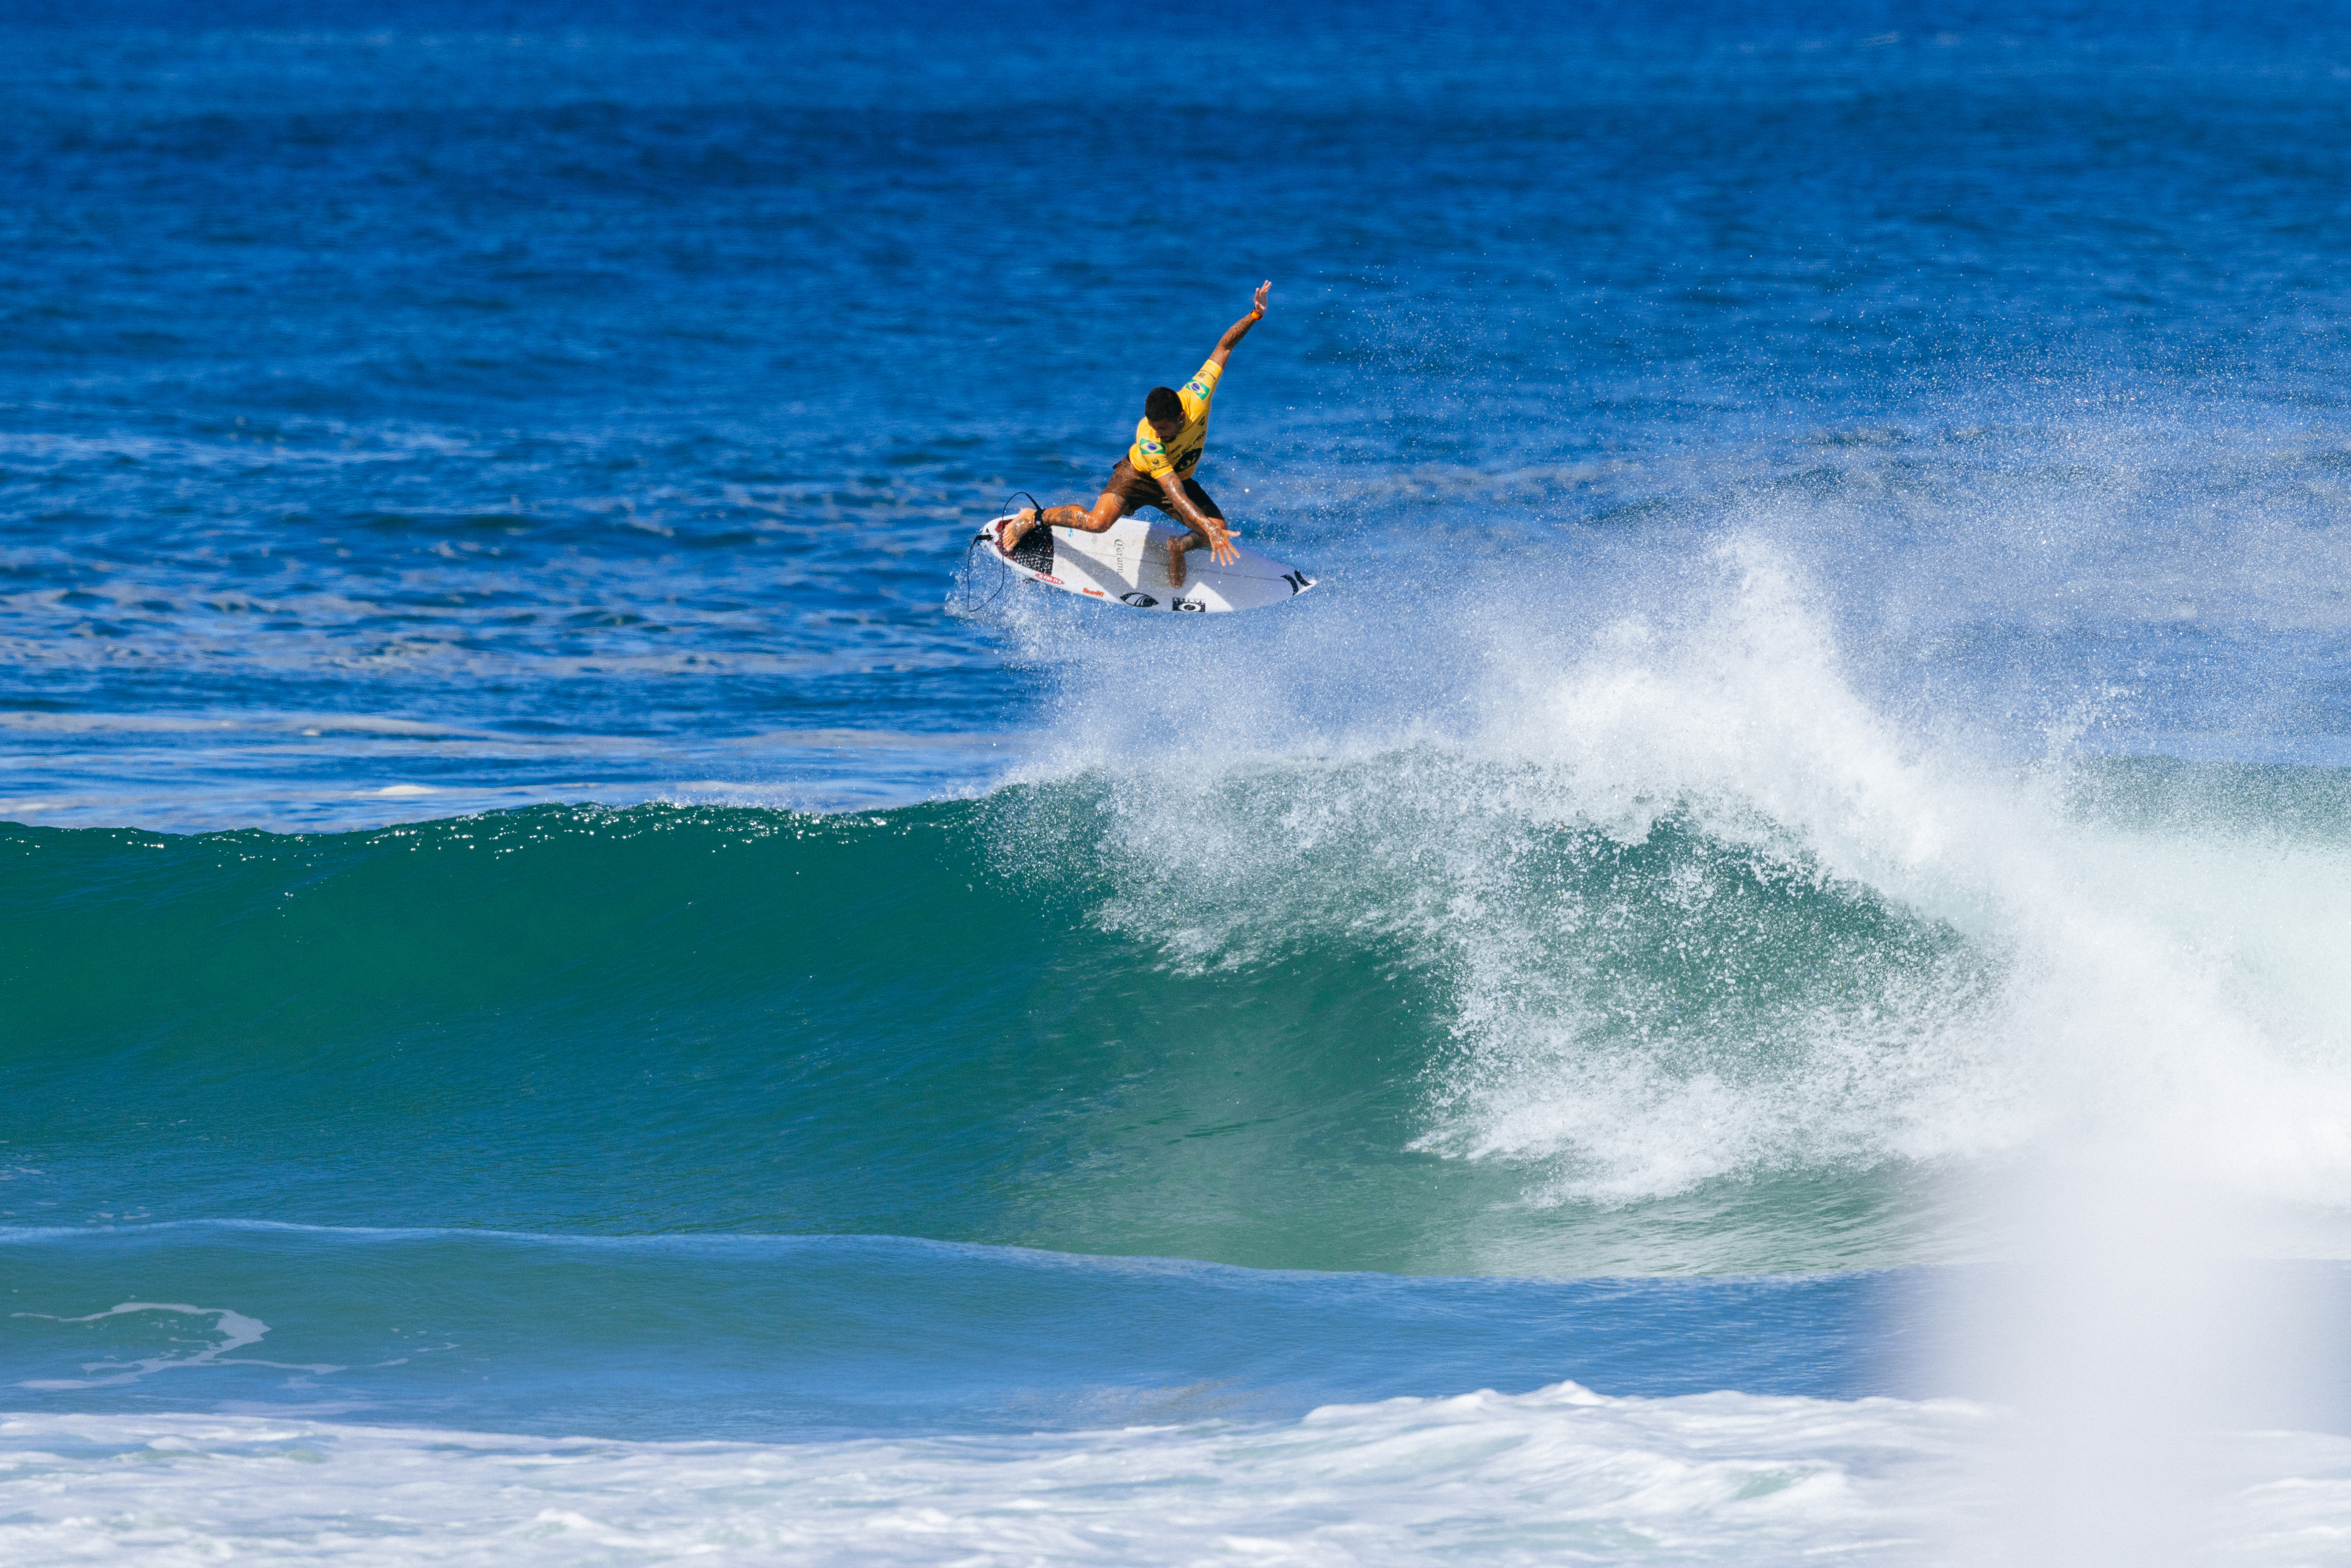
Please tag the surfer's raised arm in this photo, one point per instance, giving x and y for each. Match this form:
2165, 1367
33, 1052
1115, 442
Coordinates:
1239, 329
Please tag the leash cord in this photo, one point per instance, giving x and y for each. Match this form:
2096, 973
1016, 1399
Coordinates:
968, 602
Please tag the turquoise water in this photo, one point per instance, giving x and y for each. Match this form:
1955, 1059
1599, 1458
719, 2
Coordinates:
712, 1020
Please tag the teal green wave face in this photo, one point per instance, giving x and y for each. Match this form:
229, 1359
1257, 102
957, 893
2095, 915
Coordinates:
977, 1021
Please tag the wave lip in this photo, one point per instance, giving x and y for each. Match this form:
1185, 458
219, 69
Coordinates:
1694, 904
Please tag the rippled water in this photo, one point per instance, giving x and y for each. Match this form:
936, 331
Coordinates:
576, 982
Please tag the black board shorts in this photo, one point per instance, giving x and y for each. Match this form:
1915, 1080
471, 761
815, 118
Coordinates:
1136, 491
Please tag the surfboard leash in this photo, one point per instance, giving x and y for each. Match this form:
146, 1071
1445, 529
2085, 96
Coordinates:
971, 603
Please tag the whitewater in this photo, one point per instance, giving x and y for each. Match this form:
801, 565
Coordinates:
1756, 977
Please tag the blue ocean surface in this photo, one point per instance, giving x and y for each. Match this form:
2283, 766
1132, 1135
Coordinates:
1759, 973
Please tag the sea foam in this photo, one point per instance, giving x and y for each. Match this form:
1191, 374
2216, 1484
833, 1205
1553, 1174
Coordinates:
1705, 905
1864, 935
1561, 1475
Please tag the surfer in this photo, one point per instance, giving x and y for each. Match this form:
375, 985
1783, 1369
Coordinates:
1157, 469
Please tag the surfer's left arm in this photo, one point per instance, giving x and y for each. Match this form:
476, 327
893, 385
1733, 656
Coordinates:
1185, 510
1239, 329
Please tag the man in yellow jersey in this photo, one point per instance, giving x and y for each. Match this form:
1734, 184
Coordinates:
1157, 469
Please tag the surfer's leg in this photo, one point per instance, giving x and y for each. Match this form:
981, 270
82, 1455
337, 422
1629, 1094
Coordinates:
1193, 537
1071, 517
1108, 507
1122, 494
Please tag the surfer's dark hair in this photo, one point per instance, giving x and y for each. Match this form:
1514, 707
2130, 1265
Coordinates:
1163, 403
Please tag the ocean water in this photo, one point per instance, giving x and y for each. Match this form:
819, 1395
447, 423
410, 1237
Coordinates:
1762, 974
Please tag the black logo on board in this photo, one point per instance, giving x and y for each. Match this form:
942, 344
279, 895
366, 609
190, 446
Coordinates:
1192, 605
1140, 600
1298, 583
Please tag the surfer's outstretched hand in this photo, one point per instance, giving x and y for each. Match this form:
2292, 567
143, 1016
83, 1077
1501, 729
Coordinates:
1239, 329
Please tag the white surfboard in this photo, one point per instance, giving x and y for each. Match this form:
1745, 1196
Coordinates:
1127, 564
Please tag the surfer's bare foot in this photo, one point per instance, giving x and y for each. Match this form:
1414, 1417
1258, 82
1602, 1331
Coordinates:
1176, 549
1013, 532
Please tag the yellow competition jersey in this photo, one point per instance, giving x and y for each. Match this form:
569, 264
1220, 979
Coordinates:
1181, 455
